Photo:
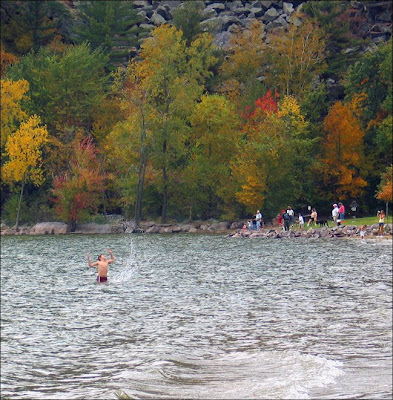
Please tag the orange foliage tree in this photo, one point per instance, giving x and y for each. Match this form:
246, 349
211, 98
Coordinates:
385, 188
343, 162
79, 191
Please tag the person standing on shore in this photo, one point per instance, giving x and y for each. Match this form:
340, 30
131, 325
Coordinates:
287, 220
301, 221
291, 214
102, 265
335, 214
363, 232
258, 217
381, 222
313, 217
341, 212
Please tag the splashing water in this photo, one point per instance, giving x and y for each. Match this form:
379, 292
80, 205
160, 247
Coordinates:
129, 267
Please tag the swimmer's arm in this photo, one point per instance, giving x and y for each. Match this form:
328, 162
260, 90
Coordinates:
94, 264
112, 259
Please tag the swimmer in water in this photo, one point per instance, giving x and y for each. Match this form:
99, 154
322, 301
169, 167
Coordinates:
102, 264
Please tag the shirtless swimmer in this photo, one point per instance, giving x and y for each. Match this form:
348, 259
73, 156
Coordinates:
102, 265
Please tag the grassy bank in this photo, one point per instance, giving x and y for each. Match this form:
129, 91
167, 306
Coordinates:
366, 221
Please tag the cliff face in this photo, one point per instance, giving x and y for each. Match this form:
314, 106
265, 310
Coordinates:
225, 17
222, 18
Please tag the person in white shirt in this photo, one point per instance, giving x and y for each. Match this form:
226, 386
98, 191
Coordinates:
301, 221
258, 217
335, 214
291, 214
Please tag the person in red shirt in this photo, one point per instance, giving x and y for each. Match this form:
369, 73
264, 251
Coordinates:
341, 212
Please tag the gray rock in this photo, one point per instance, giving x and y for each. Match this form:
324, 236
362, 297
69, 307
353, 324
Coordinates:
49, 228
218, 226
237, 225
294, 20
213, 24
287, 8
223, 40
165, 229
157, 19
241, 10
117, 229
215, 6
209, 12
265, 4
147, 26
270, 15
153, 229
257, 11
280, 21
141, 4
186, 227
161, 10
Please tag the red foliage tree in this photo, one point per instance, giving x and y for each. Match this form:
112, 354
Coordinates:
78, 192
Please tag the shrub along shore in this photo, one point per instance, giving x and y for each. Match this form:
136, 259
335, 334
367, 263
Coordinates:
234, 230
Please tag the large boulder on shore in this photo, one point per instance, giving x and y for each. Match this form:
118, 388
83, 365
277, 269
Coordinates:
218, 226
49, 228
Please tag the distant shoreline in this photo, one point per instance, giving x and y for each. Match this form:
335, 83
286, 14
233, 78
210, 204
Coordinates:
233, 230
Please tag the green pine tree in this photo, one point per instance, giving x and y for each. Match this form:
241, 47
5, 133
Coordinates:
110, 25
28, 25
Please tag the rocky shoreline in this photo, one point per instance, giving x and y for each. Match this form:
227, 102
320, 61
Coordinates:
348, 231
233, 230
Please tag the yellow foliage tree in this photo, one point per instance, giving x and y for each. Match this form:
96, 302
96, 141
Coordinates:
275, 138
24, 156
296, 56
11, 112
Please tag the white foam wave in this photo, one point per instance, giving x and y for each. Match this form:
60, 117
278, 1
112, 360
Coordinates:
273, 375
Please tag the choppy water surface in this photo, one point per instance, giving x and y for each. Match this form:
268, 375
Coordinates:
186, 316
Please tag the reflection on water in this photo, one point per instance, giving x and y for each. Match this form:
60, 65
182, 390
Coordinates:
186, 316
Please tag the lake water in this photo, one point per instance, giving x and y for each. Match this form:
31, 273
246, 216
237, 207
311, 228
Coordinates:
196, 316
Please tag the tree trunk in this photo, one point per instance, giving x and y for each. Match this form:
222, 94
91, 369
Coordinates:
143, 156
72, 226
19, 204
164, 212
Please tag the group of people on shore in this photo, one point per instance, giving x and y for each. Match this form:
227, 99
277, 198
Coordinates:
286, 219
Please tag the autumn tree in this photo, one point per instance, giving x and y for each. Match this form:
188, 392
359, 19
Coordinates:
78, 191
296, 58
213, 141
343, 160
129, 143
274, 154
175, 74
23, 154
12, 113
385, 188
6, 59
